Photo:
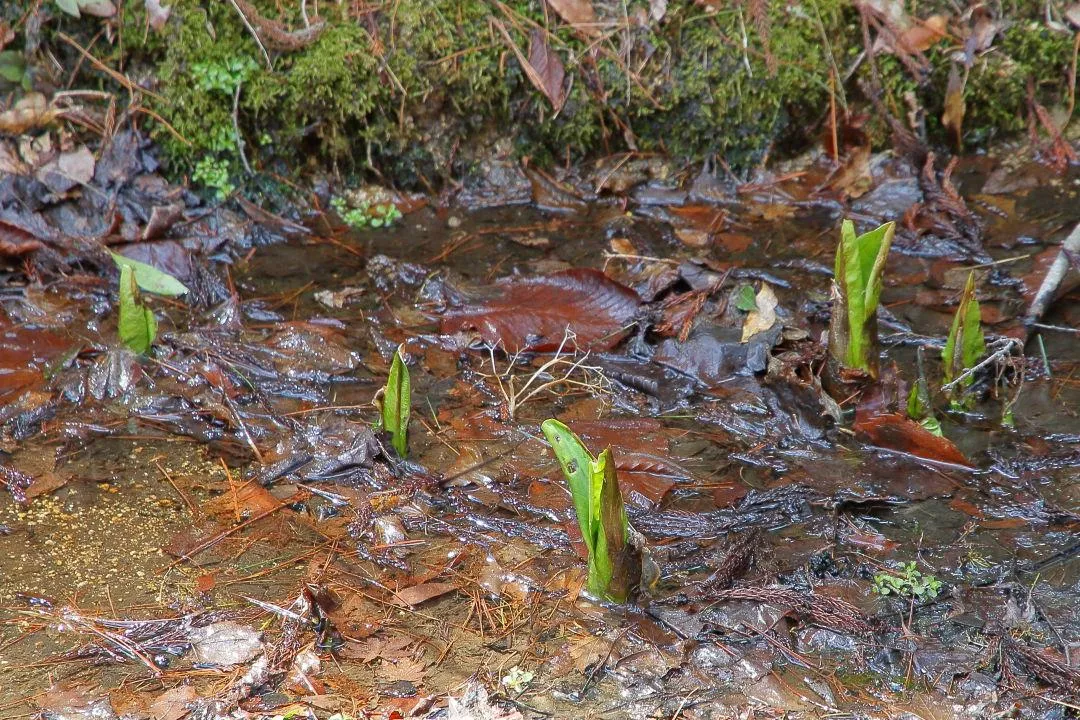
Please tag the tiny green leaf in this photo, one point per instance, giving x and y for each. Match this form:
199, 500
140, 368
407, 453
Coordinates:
746, 298
12, 66
396, 404
149, 278
137, 327
920, 405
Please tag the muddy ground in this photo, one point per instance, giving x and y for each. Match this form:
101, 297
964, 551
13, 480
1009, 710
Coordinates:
214, 529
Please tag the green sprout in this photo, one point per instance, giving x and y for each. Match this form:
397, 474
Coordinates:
964, 347
907, 582
137, 326
920, 406
366, 215
614, 563
396, 404
214, 174
857, 281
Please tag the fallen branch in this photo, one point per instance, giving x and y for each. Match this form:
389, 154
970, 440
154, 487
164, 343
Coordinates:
1054, 278
1001, 349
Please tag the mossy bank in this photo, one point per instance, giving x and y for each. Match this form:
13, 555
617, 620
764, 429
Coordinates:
415, 92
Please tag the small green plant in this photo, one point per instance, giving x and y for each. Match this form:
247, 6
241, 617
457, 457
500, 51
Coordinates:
614, 564
223, 77
396, 404
137, 326
907, 582
517, 679
365, 215
965, 346
857, 281
13, 69
745, 298
214, 174
920, 405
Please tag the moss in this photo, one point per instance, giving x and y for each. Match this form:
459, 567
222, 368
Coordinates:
405, 88
996, 91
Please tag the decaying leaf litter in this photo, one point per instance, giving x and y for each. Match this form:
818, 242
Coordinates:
209, 522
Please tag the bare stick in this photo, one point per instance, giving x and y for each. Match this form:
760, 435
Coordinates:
1054, 277
258, 40
236, 129
1003, 349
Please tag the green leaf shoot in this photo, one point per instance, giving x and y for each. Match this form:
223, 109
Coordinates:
137, 327
857, 283
396, 404
149, 278
965, 345
614, 565
920, 406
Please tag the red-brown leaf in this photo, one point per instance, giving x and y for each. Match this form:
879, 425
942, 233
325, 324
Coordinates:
547, 72
423, 592
15, 241
899, 432
534, 313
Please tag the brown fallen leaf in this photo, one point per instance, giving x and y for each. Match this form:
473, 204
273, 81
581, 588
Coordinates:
763, 316
543, 67
423, 592
924, 34
32, 111
172, 704
579, 14
894, 431
955, 105
535, 312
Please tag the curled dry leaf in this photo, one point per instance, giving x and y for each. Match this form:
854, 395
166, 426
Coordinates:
534, 313
763, 316
31, 112
157, 15
955, 105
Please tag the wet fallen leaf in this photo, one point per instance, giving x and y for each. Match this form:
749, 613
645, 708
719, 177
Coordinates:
579, 14
46, 483
693, 238
15, 241
474, 705
225, 643
763, 316
899, 432
534, 313
172, 704
423, 592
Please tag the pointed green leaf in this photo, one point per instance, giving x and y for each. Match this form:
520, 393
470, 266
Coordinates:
576, 463
150, 278
137, 326
965, 345
859, 266
396, 404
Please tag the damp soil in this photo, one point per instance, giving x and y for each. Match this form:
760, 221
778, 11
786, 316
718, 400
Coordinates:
465, 564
